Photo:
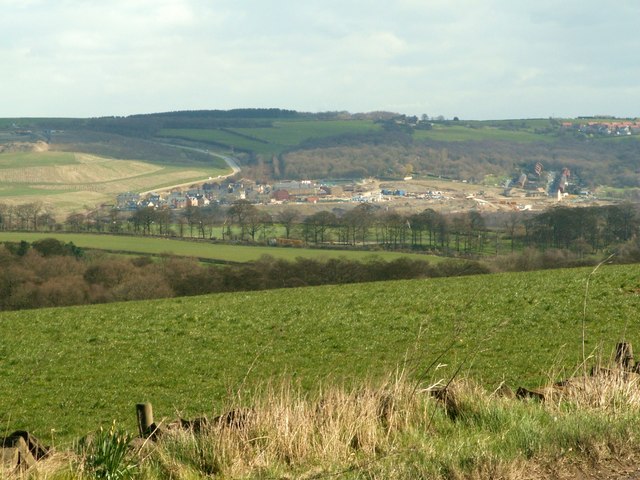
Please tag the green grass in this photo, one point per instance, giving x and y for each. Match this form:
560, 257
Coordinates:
232, 253
20, 190
220, 136
284, 134
36, 159
465, 134
200, 174
275, 139
71, 369
293, 132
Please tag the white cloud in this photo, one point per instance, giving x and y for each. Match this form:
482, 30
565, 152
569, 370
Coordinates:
462, 57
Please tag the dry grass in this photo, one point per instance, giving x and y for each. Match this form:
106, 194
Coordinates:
395, 429
286, 431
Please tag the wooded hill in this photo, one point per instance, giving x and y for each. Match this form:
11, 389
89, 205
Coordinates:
275, 143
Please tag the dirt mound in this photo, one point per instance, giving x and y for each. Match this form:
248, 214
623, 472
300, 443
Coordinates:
15, 147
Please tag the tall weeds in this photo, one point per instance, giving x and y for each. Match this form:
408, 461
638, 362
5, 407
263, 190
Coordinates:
395, 430
388, 429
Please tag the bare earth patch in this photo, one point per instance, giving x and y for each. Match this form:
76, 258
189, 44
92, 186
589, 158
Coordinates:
15, 147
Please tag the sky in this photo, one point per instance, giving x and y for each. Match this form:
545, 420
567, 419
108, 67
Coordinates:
475, 59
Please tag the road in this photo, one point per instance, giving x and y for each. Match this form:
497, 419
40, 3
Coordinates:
233, 165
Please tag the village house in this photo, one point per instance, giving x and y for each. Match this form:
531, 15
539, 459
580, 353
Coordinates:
297, 188
177, 200
280, 196
127, 201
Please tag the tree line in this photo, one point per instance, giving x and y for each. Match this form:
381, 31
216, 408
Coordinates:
386, 154
583, 230
50, 273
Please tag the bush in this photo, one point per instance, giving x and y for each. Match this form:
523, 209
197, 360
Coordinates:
105, 455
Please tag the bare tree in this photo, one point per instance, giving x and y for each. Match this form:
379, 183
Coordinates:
75, 221
318, 225
287, 218
6, 216
240, 213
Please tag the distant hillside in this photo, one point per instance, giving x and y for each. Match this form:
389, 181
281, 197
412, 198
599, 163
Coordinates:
276, 143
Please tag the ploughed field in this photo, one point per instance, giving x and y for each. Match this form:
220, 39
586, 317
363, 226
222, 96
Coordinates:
65, 371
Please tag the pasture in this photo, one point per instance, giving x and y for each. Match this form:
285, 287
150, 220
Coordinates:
286, 134
220, 137
273, 140
291, 133
36, 159
200, 249
64, 371
462, 133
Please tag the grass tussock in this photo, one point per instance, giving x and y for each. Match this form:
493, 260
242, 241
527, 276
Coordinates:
392, 429
399, 430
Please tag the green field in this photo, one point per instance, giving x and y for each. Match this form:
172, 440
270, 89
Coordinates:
292, 133
284, 134
274, 139
221, 137
464, 134
36, 159
205, 250
64, 371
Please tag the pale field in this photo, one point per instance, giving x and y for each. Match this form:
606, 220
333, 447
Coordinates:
85, 171
85, 182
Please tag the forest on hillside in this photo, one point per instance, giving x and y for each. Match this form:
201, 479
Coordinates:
601, 162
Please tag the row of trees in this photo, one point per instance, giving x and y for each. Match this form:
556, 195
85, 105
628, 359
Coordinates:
51, 273
362, 226
584, 230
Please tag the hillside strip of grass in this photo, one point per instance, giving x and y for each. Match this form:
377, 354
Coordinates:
220, 137
465, 134
71, 369
200, 249
36, 159
273, 140
291, 133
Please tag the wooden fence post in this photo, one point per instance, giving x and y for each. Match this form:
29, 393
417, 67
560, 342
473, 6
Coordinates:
145, 418
624, 355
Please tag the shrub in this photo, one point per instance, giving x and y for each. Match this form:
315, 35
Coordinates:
105, 454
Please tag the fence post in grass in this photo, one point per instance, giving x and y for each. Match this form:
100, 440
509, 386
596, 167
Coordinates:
145, 418
624, 355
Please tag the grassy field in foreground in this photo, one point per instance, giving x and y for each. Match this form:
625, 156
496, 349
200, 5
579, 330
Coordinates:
207, 250
72, 369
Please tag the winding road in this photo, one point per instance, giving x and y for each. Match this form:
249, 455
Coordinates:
233, 165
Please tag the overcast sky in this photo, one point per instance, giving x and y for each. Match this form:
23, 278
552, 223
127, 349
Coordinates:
476, 59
